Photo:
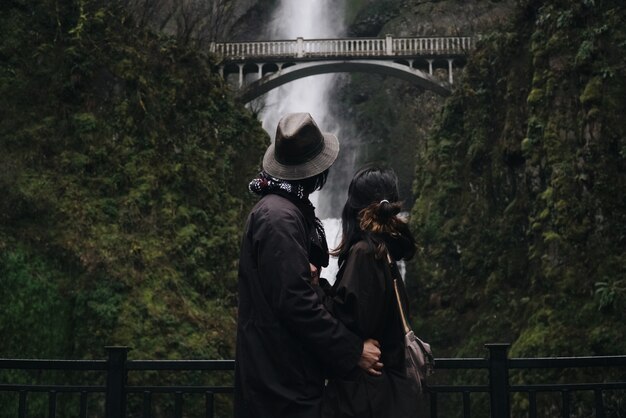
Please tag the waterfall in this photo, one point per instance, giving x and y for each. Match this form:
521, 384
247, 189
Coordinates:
311, 19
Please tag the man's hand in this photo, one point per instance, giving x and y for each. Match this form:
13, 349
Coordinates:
370, 357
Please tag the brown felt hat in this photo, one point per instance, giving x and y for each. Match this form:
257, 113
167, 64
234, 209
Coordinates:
300, 149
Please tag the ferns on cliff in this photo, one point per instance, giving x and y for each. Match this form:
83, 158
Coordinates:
123, 168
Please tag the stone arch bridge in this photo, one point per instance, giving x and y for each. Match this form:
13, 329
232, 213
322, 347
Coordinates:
264, 65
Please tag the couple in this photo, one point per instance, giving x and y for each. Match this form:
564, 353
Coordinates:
295, 333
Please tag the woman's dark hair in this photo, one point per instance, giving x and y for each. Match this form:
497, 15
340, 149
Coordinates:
314, 183
372, 205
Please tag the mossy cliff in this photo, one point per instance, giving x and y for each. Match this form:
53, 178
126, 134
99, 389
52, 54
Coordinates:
519, 206
123, 172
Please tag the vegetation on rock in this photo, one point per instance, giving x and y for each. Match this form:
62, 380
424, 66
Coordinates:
517, 202
124, 163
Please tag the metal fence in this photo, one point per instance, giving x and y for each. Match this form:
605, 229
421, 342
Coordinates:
110, 399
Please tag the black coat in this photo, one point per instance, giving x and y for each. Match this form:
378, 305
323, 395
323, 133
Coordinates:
363, 298
285, 336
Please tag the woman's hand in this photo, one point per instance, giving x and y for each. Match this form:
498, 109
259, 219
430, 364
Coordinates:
315, 274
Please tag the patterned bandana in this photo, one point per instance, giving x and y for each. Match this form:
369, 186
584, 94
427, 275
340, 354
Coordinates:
266, 184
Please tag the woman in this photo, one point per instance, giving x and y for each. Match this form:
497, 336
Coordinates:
363, 298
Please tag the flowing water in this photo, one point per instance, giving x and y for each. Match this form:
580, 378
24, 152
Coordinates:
312, 19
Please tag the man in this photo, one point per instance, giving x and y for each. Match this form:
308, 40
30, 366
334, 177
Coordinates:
286, 340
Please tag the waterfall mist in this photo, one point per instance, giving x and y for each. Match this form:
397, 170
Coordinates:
312, 19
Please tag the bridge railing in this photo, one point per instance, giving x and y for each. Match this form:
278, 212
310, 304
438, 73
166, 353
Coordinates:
109, 391
340, 48
442, 45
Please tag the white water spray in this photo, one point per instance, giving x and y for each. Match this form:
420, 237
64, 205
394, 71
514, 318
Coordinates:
309, 19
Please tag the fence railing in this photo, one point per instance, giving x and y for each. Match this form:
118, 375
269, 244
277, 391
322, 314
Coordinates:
111, 398
343, 48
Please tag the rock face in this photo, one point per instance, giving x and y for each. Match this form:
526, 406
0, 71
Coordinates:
427, 18
252, 20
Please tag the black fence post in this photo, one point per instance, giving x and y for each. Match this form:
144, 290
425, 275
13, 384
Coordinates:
115, 403
499, 380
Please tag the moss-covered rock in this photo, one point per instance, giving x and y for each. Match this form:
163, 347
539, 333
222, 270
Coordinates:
534, 217
124, 163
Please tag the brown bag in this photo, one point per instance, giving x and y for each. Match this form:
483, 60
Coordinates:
420, 362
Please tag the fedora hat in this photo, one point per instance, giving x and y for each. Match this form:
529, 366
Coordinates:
300, 149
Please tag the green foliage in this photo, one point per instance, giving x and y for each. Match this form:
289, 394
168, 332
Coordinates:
607, 292
519, 207
123, 168
535, 96
37, 301
592, 94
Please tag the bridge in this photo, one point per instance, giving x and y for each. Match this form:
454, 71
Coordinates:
264, 65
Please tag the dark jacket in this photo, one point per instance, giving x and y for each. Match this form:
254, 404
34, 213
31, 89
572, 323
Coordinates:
285, 336
363, 298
